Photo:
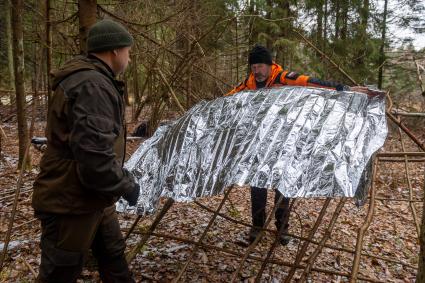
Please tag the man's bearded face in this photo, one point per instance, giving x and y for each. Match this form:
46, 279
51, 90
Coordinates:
261, 71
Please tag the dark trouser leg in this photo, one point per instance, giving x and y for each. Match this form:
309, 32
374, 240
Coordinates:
108, 247
258, 206
282, 212
65, 241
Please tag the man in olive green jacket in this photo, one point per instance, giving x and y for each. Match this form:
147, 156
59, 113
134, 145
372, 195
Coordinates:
81, 174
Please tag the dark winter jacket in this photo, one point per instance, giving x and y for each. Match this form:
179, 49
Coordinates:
81, 170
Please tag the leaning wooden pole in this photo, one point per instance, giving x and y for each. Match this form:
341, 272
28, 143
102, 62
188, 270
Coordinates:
420, 277
133, 226
409, 184
256, 241
325, 56
323, 241
130, 256
15, 205
172, 93
362, 230
278, 262
199, 242
304, 247
273, 246
341, 249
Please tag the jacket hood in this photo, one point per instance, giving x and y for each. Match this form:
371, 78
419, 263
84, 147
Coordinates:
77, 64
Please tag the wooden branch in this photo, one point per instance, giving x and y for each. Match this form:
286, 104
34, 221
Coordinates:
342, 249
130, 256
259, 259
408, 114
132, 227
362, 230
25, 223
15, 205
399, 199
419, 77
401, 159
323, 241
400, 154
406, 130
391, 116
139, 24
409, 184
13, 195
256, 241
199, 242
3, 134
173, 95
29, 267
154, 41
273, 246
325, 56
304, 247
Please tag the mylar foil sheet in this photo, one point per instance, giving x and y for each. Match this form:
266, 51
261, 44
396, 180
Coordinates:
305, 142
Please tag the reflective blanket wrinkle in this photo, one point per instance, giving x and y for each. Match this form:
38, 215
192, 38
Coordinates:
305, 142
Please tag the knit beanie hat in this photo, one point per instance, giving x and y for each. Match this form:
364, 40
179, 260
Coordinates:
107, 35
259, 54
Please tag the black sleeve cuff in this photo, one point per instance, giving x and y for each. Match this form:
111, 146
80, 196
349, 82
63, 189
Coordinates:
341, 87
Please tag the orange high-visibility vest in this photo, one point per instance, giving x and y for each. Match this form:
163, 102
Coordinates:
280, 77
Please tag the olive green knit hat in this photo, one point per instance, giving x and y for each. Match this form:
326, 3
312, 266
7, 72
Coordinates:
107, 35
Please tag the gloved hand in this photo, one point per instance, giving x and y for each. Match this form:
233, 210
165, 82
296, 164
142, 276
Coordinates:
133, 195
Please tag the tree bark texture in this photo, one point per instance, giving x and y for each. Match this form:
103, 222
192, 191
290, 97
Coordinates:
9, 44
19, 68
382, 47
48, 50
87, 11
420, 278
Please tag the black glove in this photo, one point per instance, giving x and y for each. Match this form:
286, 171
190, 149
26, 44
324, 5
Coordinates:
133, 196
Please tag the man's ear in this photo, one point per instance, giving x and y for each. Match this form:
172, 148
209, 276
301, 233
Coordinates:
115, 52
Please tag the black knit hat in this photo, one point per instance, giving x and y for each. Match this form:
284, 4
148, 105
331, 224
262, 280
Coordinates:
259, 54
107, 35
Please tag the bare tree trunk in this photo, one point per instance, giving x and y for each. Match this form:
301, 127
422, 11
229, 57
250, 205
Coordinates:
87, 11
9, 43
287, 25
48, 52
136, 88
252, 31
344, 17
237, 49
420, 277
19, 67
337, 19
325, 27
269, 39
362, 33
319, 32
382, 47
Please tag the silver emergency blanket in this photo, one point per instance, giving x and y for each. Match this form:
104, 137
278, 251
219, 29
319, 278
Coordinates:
305, 142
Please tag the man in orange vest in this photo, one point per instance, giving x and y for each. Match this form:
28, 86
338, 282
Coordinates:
266, 73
